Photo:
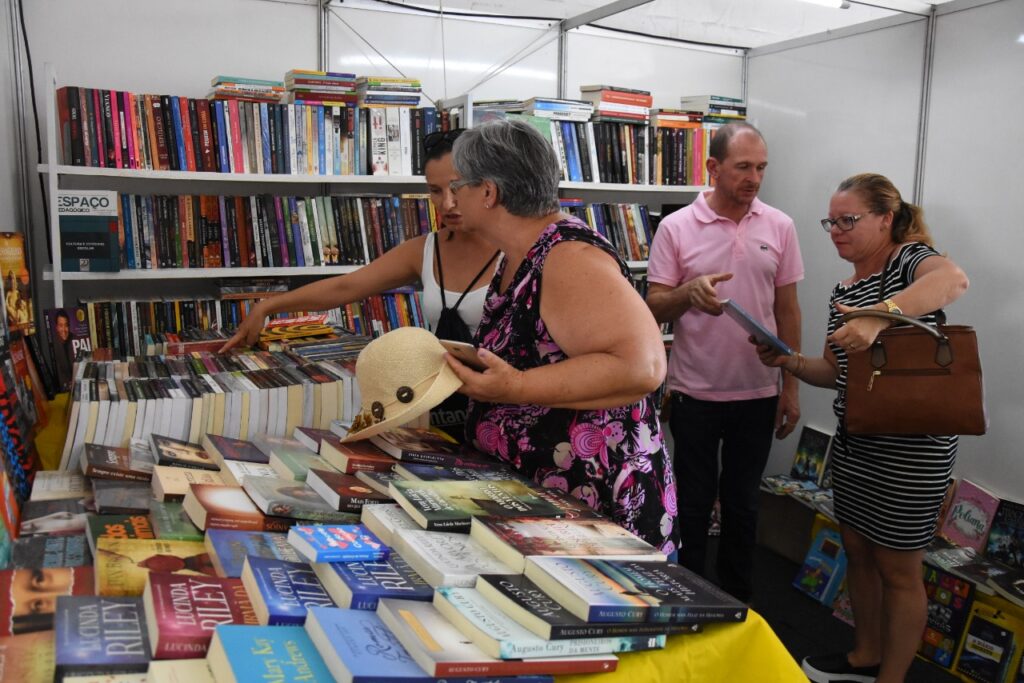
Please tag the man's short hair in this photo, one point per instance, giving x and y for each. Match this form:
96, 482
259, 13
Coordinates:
719, 148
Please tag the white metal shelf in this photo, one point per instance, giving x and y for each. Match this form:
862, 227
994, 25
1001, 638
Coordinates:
623, 187
200, 273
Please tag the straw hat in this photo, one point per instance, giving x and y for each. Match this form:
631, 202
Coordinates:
401, 376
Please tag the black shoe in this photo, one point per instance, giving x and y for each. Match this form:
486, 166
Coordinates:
836, 668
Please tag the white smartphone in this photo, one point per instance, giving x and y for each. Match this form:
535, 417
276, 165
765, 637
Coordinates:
464, 353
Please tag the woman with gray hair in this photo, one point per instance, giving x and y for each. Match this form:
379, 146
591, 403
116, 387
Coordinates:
572, 352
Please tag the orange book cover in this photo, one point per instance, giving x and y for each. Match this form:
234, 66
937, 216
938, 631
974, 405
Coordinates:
186, 134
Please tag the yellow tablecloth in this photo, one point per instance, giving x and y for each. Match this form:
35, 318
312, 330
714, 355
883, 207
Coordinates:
723, 653
50, 439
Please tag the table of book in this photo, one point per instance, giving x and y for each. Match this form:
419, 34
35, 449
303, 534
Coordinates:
722, 652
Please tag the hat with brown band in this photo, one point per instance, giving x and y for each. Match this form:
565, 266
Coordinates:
401, 375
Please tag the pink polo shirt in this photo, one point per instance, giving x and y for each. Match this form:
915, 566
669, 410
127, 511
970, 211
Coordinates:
711, 358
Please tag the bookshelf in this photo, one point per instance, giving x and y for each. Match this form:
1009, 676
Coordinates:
61, 176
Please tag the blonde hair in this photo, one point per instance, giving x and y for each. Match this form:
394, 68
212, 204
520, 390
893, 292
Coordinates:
881, 196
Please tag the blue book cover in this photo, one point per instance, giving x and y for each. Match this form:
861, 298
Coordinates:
222, 137
360, 585
321, 144
337, 543
281, 592
283, 654
228, 549
96, 634
179, 135
572, 151
361, 649
265, 138
293, 208
824, 567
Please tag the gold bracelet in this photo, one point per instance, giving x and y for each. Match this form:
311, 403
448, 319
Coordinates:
800, 362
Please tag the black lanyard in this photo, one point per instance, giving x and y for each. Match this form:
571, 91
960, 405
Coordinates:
440, 275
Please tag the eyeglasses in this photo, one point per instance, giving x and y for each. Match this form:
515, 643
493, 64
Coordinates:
455, 185
844, 223
438, 137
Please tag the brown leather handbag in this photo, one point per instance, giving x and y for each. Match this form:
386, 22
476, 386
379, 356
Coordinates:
915, 379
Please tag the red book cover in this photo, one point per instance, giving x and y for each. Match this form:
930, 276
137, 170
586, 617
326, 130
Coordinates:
31, 596
635, 99
115, 121
246, 255
236, 137
154, 111
64, 125
101, 138
206, 141
189, 162
129, 128
182, 612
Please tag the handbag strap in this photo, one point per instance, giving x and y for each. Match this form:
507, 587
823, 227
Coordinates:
943, 351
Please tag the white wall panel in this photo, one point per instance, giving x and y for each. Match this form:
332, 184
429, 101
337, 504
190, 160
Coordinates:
972, 195
8, 160
829, 110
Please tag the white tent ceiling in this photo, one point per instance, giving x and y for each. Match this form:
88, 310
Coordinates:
738, 23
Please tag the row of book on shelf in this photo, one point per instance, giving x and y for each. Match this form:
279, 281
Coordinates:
104, 231
609, 135
406, 557
974, 579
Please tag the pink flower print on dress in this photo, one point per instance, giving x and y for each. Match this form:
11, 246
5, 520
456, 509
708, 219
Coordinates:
489, 437
555, 481
668, 499
589, 440
587, 493
563, 456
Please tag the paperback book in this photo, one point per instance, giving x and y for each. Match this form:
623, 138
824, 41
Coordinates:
283, 654
292, 499
949, 605
988, 646
229, 548
108, 462
170, 522
118, 526
355, 456
32, 595
228, 507
66, 516
223, 449
824, 567
44, 552
385, 519
451, 505
123, 564
295, 465
378, 481
113, 497
56, 485
412, 444
343, 492
360, 585
88, 231
812, 453
1006, 537
281, 592
970, 516
337, 543
446, 559
170, 451
100, 635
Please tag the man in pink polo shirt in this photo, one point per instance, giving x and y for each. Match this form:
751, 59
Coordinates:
726, 245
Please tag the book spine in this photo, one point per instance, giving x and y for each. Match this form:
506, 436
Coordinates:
117, 128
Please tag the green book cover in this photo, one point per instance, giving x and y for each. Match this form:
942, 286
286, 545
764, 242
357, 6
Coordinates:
170, 522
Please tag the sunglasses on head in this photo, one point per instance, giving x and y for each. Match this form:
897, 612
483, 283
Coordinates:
432, 140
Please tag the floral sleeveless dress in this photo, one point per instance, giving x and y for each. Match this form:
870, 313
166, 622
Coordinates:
613, 460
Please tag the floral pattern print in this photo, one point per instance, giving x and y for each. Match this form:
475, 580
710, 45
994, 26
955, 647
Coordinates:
613, 460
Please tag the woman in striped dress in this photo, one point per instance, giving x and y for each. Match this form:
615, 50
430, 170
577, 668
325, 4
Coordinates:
888, 489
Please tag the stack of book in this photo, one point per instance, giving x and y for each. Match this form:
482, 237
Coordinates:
321, 87
718, 110
809, 478
388, 91
246, 555
618, 105
245, 89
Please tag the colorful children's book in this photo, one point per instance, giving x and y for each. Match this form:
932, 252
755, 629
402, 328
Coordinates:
812, 452
626, 591
281, 592
283, 654
123, 564
337, 543
970, 516
99, 635
228, 549
360, 585
949, 605
1006, 537
183, 611
451, 505
824, 567
442, 651
32, 595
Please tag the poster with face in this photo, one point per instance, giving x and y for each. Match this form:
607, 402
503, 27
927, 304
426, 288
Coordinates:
69, 334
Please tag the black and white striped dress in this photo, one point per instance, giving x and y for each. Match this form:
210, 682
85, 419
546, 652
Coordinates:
888, 488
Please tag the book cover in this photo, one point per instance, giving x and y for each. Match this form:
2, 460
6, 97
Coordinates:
88, 231
513, 540
310, 437
32, 595
281, 592
97, 634
344, 492
171, 523
1009, 585
949, 606
282, 654
812, 453
824, 567
378, 481
172, 483
294, 464
988, 645
123, 564
118, 526
223, 448
109, 462
441, 650
55, 485
1006, 537
44, 552
292, 499
68, 330
111, 496
17, 287
970, 516
234, 471
450, 505
521, 599
360, 585
446, 559
337, 543
385, 519
182, 612
411, 471
28, 658
625, 590
413, 444
170, 451
66, 516
499, 636
355, 457
179, 671
228, 549
228, 507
